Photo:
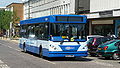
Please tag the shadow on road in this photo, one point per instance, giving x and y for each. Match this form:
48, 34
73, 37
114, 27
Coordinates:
102, 58
84, 59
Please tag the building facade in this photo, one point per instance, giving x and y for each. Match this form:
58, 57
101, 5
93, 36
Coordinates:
38, 8
17, 9
103, 16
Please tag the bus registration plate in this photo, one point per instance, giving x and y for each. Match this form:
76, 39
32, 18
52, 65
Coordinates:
69, 56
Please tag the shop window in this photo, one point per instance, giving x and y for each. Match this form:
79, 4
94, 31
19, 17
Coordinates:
103, 30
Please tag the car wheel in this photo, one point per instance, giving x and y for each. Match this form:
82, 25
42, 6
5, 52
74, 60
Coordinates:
119, 47
115, 56
92, 54
107, 58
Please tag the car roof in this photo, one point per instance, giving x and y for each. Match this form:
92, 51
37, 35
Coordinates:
95, 36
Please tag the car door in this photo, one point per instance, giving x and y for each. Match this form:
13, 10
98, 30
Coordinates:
118, 45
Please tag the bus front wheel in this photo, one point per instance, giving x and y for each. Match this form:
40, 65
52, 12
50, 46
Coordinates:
24, 48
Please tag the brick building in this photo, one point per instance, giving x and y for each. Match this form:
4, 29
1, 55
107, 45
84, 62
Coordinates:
17, 9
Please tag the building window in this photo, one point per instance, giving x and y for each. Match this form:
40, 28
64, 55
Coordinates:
103, 30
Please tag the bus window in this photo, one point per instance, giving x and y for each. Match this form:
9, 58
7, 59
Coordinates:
31, 33
69, 30
69, 18
41, 31
23, 31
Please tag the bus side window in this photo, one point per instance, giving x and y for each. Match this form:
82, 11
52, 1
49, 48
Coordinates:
46, 31
36, 31
41, 31
23, 32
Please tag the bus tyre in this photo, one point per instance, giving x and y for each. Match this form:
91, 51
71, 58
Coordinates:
40, 54
115, 56
24, 48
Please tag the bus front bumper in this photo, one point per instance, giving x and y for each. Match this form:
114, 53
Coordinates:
67, 54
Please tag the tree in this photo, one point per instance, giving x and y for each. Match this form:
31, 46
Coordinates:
5, 18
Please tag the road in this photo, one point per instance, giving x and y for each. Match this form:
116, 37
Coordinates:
13, 57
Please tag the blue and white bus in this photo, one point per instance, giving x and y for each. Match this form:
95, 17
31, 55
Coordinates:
54, 36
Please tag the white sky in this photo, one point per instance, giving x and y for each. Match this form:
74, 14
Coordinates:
4, 3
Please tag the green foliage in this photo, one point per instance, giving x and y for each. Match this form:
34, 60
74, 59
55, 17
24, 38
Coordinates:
5, 19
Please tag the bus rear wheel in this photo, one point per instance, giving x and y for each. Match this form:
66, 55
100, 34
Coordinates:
41, 53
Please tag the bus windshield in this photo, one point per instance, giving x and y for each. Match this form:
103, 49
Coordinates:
74, 32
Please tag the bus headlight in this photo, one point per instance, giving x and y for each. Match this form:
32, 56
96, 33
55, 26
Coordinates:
53, 47
85, 47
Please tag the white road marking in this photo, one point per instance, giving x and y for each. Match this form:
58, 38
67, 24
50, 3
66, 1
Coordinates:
20, 50
2, 65
1, 62
49, 61
13, 48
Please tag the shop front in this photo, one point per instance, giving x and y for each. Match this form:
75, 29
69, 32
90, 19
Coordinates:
117, 28
102, 27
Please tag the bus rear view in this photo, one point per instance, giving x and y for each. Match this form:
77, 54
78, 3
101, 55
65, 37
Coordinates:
64, 36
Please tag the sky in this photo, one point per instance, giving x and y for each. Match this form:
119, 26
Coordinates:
4, 3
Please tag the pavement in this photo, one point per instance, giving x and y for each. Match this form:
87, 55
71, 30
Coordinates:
16, 40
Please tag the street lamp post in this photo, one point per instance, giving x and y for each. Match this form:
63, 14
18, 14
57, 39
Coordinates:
28, 9
10, 32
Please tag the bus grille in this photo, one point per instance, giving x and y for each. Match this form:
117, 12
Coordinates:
69, 48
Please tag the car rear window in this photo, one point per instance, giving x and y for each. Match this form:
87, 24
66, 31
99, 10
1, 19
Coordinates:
109, 42
94, 41
98, 41
90, 41
105, 39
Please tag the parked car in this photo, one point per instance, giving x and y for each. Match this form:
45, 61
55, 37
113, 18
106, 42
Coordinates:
118, 45
93, 36
94, 42
109, 49
119, 50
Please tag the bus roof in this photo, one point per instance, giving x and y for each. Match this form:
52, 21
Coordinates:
51, 19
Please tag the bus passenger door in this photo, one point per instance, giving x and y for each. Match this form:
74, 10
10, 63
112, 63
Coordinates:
45, 47
31, 42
